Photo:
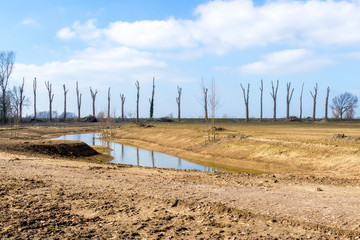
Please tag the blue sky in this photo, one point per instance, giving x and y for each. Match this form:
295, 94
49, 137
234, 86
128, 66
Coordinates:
114, 43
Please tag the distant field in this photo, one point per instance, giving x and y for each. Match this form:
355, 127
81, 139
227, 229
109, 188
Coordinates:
317, 148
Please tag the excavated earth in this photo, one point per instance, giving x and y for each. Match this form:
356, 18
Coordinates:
46, 195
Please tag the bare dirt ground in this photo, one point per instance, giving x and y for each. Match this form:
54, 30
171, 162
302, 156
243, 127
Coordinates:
52, 197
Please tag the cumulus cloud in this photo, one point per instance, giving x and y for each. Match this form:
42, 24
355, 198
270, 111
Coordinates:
96, 65
151, 34
286, 61
65, 33
220, 26
86, 31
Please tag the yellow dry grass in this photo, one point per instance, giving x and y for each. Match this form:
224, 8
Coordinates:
256, 147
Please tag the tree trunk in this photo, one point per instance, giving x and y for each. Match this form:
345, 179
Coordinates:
327, 103
302, 89
93, 96
108, 114
178, 100
51, 97
122, 97
314, 98
205, 105
274, 95
137, 100
261, 100
246, 100
34, 89
288, 99
4, 105
78, 97
65, 92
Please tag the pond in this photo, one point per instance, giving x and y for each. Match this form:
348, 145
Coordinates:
126, 154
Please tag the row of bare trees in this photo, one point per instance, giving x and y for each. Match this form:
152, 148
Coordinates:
289, 95
343, 104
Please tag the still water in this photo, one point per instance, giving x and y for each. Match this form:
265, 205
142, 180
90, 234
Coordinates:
126, 154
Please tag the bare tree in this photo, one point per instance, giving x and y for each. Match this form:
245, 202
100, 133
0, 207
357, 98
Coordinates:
93, 96
7, 60
51, 98
204, 99
34, 90
274, 96
78, 97
261, 100
327, 102
302, 89
344, 104
246, 100
137, 100
314, 98
65, 92
214, 104
178, 100
19, 98
288, 99
151, 101
122, 97
108, 113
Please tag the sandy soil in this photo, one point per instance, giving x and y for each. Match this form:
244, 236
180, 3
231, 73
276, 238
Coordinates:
57, 198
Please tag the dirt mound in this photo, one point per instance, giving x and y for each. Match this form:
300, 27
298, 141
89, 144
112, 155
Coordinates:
50, 147
341, 136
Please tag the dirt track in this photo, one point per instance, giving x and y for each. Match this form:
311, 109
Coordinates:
61, 198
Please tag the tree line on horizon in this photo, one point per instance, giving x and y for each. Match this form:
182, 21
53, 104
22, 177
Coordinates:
12, 101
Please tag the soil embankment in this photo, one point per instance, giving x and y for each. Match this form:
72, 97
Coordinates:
256, 147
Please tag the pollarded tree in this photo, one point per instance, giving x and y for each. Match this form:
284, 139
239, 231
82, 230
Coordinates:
78, 98
261, 88
314, 95
288, 99
151, 101
51, 98
344, 104
246, 100
178, 101
327, 102
93, 96
65, 92
108, 113
122, 97
301, 95
137, 100
274, 96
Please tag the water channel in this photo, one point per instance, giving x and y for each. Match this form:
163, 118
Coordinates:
126, 154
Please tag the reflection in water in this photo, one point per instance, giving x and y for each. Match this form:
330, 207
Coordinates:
152, 159
126, 154
137, 156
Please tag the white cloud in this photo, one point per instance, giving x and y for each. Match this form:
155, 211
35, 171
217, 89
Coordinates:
151, 34
65, 33
87, 31
220, 26
287, 61
95, 65
29, 21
